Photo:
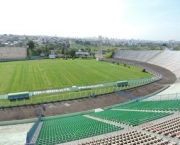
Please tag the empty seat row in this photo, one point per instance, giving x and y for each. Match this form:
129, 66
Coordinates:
130, 138
67, 129
170, 127
165, 105
129, 117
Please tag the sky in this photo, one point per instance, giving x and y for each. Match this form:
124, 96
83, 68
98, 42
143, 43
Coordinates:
123, 19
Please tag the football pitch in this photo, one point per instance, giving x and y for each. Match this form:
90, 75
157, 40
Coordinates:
19, 76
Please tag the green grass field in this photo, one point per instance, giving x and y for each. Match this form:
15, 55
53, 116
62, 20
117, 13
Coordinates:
49, 74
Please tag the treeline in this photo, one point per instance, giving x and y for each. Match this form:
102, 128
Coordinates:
59, 49
45, 50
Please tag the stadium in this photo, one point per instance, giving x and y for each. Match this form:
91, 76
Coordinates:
139, 108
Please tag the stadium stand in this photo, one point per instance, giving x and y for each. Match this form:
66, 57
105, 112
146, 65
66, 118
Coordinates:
170, 93
137, 55
129, 117
167, 58
67, 128
170, 127
130, 138
58, 130
164, 105
12, 53
71, 128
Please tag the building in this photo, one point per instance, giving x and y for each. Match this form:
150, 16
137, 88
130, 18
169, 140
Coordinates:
82, 54
52, 55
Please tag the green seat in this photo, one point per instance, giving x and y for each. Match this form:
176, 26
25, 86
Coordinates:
72, 128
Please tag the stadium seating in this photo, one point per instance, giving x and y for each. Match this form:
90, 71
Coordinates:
137, 55
130, 138
71, 128
170, 127
129, 117
173, 92
167, 59
12, 53
165, 105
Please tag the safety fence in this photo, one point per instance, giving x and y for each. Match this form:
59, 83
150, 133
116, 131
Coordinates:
13, 59
168, 98
89, 87
126, 95
117, 105
153, 94
68, 115
14, 122
22, 58
72, 95
32, 130
142, 98
175, 96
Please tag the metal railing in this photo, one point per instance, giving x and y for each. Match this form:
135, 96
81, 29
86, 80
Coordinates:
73, 95
32, 130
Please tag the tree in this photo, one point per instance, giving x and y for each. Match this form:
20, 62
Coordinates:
144, 70
62, 50
39, 51
50, 46
72, 52
66, 52
87, 49
47, 50
30, 44
87, 43
177, 48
